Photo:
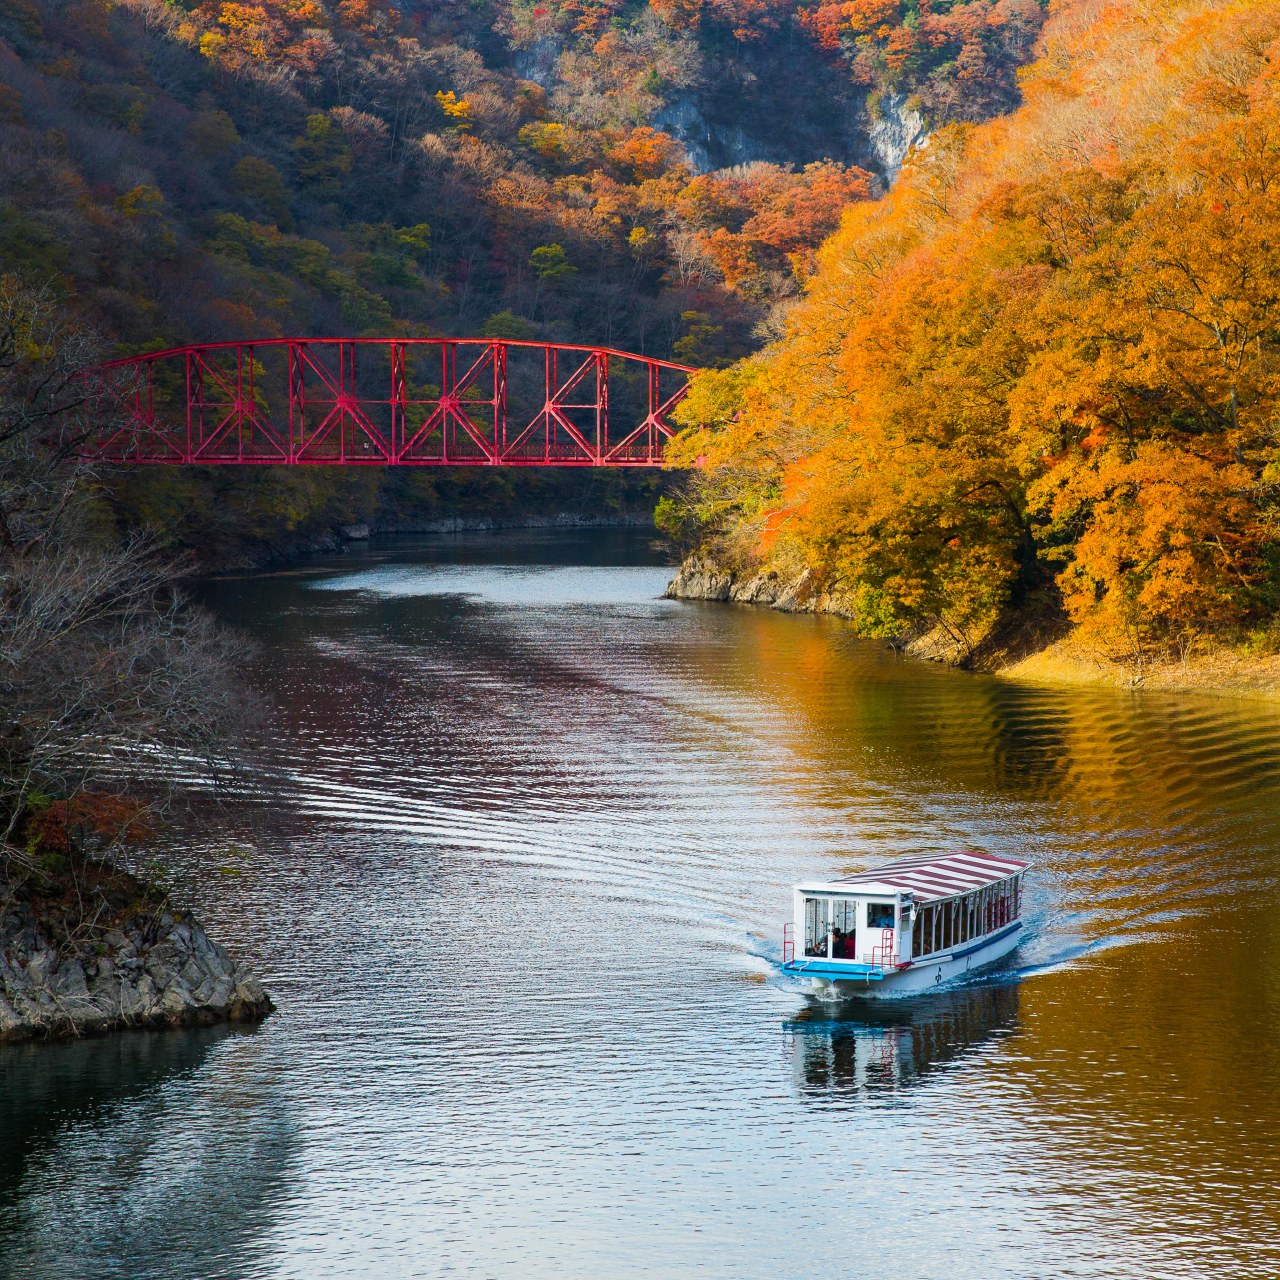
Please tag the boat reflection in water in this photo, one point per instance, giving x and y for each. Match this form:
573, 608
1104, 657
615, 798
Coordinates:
860, 1051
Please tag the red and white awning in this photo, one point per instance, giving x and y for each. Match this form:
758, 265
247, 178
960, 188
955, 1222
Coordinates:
940, 877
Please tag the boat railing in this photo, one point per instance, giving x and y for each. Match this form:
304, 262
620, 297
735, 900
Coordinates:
885, 956
788, 942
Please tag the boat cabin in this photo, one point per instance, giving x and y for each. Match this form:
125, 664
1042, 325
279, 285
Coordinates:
902, 913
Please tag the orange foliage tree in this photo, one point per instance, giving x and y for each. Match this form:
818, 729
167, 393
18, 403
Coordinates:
1046, 364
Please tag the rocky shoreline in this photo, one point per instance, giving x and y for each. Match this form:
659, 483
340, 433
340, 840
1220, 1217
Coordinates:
134, 963
1035, 646
699, 579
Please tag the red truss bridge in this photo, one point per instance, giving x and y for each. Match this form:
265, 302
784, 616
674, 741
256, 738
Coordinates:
399, 401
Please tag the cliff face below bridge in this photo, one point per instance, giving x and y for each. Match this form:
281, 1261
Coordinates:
99, 952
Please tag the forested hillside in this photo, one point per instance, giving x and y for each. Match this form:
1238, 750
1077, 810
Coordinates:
1041, 377
201, 171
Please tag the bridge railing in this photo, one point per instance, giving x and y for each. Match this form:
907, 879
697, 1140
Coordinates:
397, 401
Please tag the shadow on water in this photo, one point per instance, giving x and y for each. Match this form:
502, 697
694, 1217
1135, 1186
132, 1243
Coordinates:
871, 1051
117, 1153
48, 1086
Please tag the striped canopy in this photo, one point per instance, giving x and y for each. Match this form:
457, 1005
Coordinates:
940, 877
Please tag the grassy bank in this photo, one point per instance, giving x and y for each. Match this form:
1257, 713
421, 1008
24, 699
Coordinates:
1221, 670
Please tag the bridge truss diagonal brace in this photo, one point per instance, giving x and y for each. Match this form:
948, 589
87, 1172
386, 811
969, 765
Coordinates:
451, 409
346, 408
241, 411
553, 413
655, 427
142, 421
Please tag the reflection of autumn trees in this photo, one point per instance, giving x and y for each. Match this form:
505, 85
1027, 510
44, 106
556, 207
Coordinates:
1050, 355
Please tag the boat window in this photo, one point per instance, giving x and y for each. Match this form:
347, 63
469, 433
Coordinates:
844, 923
844, 915
1008, 901
948, 920
816, 926
879, 915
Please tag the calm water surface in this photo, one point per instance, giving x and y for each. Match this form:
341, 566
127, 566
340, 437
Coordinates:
519, 903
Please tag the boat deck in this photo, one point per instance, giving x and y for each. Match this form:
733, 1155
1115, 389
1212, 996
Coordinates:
819, 968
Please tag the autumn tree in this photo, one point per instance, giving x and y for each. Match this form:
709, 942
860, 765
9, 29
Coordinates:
1025, 374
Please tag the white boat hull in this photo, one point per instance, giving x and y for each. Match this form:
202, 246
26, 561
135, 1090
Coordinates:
926, 974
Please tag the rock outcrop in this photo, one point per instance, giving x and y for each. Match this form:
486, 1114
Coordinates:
141, 967
896, 131
699, 579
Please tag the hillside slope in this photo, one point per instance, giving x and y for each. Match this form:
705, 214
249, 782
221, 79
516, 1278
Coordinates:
188, 172
1038, 382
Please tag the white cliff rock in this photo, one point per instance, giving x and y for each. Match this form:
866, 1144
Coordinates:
895, 132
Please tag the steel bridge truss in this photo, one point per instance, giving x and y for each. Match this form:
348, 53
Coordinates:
397, 401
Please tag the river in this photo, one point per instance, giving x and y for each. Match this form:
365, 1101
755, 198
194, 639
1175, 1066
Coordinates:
518, 896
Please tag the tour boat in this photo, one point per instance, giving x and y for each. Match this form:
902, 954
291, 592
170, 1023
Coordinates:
906, 926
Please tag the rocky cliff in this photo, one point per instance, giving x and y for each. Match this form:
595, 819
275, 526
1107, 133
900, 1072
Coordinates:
125, 961
897, 129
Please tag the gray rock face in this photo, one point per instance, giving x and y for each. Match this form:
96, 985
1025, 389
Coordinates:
895, 132
539, 62
698, 579
149, 971
706, 147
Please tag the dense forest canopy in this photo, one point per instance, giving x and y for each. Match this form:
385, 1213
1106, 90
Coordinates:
1043, 370
655, 177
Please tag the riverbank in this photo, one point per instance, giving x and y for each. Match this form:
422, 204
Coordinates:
97, 951
1038, 651
338, 537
